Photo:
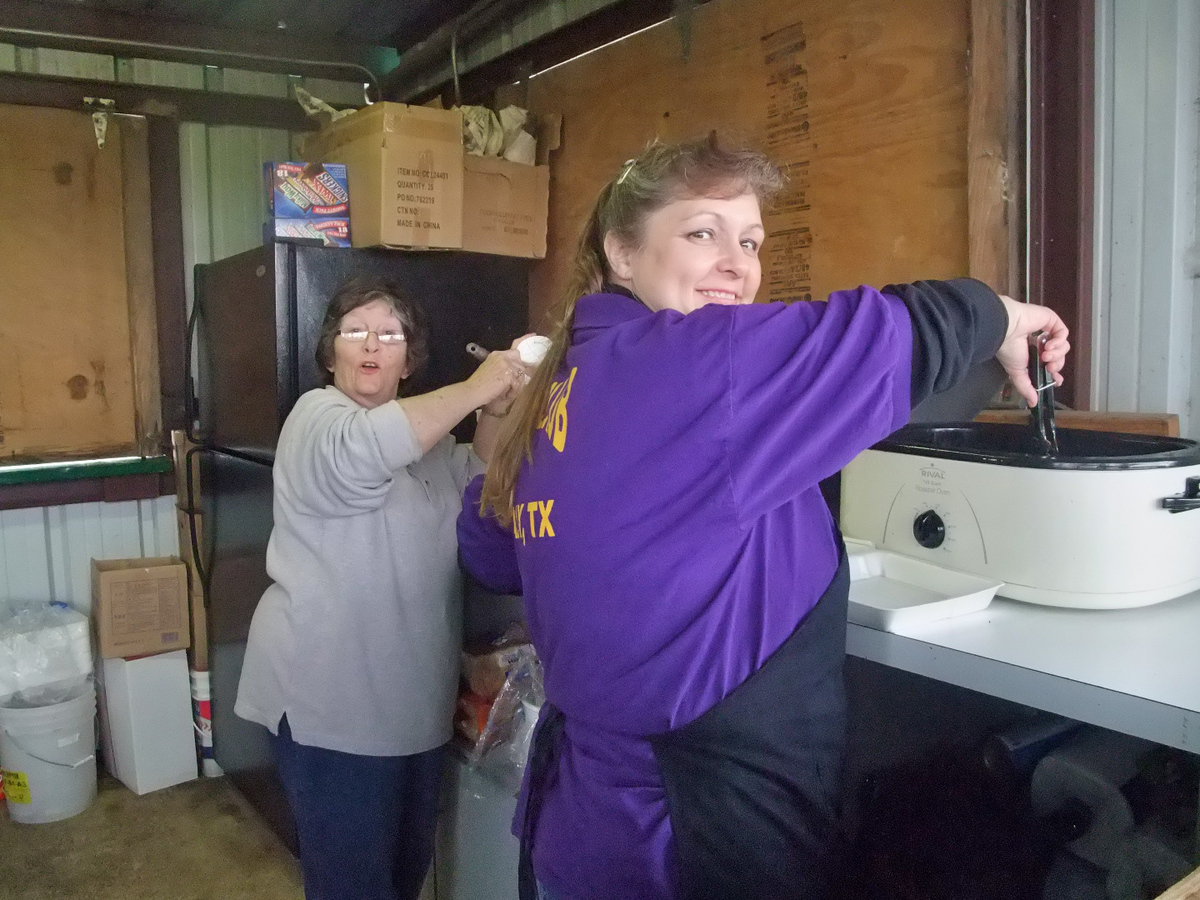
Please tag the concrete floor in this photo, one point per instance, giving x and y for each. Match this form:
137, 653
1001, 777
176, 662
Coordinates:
195, 841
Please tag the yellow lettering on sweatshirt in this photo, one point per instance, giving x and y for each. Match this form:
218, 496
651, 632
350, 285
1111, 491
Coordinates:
518, 522
555, 423
546, 529
532, 520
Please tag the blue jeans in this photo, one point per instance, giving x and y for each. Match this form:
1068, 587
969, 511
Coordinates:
365, 824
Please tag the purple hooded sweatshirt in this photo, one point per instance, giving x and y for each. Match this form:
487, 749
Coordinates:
670, 534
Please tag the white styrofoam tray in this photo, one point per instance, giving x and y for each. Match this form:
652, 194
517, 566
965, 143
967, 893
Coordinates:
889, 591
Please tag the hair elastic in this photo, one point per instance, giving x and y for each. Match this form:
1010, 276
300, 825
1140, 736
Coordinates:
625, 172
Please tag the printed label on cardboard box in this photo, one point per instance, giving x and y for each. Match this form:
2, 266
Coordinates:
504, 207
405, 165
140, 605
148, 605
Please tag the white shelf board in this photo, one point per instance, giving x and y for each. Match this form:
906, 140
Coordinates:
1136, 671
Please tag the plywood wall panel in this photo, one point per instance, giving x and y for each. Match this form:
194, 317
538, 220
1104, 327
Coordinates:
865, 101
995, 161
65, 373
139, 276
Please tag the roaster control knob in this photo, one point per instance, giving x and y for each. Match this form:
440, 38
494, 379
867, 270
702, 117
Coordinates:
929, 529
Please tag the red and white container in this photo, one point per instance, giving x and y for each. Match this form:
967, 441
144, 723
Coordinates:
202, 715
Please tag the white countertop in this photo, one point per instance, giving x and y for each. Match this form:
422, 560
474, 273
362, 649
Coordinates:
1133, 670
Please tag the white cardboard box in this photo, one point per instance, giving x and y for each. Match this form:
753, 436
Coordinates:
146, 720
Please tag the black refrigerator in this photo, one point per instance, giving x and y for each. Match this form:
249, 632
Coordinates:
256, 322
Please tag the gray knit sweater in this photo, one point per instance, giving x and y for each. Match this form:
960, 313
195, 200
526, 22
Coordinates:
358, 639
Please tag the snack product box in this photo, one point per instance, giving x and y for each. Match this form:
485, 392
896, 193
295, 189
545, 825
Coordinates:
405, 170
504, 207
140, 605
326, 232
298, 190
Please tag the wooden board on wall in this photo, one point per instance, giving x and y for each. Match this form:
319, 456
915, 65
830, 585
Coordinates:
141, 305
66, 382
865, 101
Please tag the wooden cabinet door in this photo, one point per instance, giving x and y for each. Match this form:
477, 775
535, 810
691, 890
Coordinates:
72, 294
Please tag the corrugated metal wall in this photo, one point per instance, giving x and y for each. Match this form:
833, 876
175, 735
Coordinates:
45, 554
1147, 351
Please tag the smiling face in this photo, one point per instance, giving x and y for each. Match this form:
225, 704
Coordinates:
367, 371
694, 251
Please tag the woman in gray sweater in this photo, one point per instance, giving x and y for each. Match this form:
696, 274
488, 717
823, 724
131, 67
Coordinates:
351, 662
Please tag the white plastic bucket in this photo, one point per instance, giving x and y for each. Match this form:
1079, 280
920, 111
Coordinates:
202, 722
48, 754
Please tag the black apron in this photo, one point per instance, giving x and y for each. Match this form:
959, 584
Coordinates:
753, 785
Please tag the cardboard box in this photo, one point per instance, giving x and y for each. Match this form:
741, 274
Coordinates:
299, 190
504, 207
405, 170
146, 733
198, 614
140, 605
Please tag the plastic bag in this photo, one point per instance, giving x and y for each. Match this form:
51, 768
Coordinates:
483, 134
519, 144
316, 108
503, 745
486, 133
45, 655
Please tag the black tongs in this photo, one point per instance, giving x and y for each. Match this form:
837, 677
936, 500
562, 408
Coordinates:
1043, 414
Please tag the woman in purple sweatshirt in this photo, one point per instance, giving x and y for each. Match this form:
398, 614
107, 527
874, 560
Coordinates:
654, 495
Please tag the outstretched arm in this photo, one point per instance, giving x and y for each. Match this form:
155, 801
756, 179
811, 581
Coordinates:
433, 414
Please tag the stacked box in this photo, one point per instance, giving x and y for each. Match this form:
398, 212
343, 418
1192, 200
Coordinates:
504, 207
140, 605
326, 232
406, 171
146, 729
414, 187
308, 202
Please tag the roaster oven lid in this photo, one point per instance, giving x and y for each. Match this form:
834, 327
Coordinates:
1017, 445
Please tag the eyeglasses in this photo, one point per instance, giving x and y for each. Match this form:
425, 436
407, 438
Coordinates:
358, 335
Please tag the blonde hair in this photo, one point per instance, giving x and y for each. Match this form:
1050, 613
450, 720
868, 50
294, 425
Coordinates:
662, 174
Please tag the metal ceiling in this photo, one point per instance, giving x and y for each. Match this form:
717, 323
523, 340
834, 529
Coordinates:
403, 48
387, 23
